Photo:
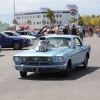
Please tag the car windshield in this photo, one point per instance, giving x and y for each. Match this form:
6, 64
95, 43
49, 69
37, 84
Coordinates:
54, 42
4, 34
16, 34
31, 33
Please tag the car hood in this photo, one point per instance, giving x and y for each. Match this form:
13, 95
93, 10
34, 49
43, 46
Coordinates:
50, 53
26, 36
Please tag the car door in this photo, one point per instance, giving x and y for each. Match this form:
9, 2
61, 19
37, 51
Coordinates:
4, 41
79, 50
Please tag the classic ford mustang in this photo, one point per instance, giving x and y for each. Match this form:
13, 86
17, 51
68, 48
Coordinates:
53, 53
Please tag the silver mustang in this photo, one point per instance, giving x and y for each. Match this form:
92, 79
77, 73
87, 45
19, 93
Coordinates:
53, 53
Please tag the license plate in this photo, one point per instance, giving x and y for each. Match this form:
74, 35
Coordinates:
37, 69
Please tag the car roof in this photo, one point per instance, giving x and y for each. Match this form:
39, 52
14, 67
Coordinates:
63, 36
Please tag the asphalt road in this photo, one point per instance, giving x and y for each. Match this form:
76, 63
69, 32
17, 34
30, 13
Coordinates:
82, 84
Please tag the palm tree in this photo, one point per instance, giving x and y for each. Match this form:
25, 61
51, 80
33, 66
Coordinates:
53, 21
15, 22
73, 20
29, 22
43, 22
51, 16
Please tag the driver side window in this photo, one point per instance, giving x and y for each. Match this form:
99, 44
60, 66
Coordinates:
77, 42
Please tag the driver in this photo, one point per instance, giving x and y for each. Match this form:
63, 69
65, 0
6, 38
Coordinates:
65, 42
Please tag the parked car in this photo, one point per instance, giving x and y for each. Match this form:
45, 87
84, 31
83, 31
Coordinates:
53, 53
12, 33
28, 32
0, 48
37, 34
14, 42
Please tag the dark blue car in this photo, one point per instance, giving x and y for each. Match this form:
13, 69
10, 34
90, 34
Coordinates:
14, 42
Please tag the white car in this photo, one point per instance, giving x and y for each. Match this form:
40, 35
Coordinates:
13, 33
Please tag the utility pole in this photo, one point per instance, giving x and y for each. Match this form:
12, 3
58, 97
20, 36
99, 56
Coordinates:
14, 14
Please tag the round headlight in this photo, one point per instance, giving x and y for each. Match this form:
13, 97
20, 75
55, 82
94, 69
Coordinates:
60, 59
24, 58
16, 59
49, 59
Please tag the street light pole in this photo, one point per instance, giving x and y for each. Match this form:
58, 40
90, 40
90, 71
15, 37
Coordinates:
14, 12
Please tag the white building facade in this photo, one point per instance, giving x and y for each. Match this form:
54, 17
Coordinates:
36, 17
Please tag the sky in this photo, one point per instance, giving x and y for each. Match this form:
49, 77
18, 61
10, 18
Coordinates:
89, 7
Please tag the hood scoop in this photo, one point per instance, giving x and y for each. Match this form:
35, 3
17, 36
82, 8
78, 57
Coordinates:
45, 46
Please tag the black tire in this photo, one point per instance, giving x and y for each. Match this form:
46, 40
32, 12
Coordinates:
23, 74
65, 72
17, 45
85, 63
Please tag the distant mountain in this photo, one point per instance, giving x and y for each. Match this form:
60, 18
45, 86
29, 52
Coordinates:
7, 18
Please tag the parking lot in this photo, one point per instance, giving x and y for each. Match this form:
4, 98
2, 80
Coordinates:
81, 84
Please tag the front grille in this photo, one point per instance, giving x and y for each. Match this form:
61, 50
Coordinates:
38, 59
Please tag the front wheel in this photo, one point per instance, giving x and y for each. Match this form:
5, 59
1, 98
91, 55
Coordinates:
85, 63
65, 72
17, 45
23, 74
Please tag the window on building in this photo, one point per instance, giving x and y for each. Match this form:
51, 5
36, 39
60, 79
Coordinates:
47, 22
30, 17
17, 17
60, 21
59, 15
37, 22
40, 22
44, 16
22, 17
56, 15
57, 22
25, 17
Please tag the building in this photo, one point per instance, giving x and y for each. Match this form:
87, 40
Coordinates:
36, 17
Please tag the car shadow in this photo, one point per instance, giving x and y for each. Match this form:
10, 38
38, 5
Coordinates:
73, 75
11, 49
2, 55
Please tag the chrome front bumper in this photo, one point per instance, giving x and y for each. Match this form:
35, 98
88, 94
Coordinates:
46, 68
40, 66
